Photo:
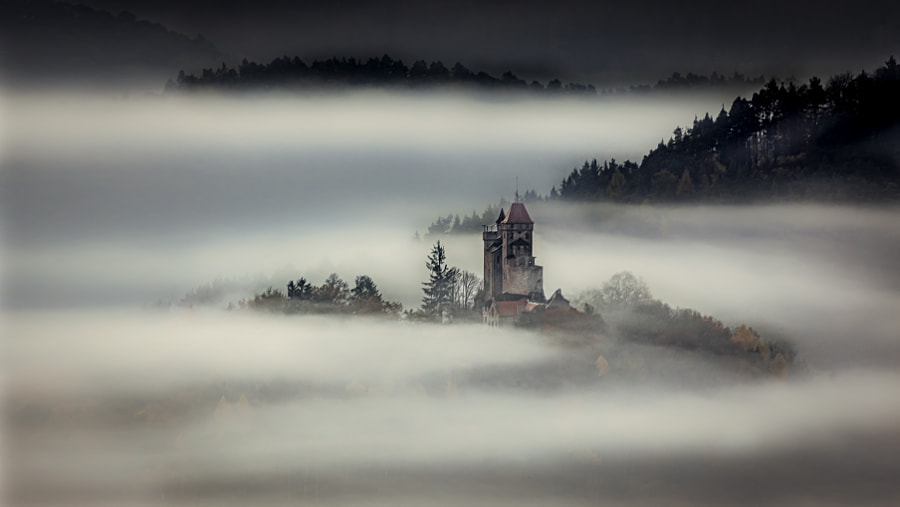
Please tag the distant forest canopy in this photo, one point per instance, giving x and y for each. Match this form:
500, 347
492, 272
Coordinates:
386, 72
836, 142
454, 224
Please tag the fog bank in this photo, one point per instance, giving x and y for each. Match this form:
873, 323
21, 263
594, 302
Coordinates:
131, 406
109, 205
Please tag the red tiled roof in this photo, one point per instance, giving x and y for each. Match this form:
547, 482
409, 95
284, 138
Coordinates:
517, 215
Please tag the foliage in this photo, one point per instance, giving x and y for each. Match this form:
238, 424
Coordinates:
634, 316
623, 290
384, 72
270, 300
454, 224
364, 288
677, 81
333, 296
448, 289
835, 141
441, 282
334, 291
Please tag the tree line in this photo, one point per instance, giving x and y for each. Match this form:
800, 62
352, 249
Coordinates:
634, 316
333, 296
454, 224
385, 72
623, 308
838, 141
833, 141
447, 293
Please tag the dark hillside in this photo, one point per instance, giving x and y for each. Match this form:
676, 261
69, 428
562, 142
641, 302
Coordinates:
838, 141
59, 43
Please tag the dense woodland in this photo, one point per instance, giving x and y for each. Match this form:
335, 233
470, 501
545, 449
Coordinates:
836, 141
288, 73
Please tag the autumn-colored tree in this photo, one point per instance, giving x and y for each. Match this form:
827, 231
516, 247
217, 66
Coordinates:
616, 188
334, 291
685, 188
745, 338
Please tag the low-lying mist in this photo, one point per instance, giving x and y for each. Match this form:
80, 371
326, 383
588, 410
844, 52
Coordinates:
829, 284
143, 407
88, 167
111, 205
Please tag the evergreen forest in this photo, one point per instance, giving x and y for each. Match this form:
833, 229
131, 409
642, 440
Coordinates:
293, 73
834, 141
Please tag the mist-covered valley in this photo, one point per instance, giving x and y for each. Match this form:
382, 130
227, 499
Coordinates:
110, 205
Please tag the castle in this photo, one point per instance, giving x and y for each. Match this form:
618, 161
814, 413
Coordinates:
513, 283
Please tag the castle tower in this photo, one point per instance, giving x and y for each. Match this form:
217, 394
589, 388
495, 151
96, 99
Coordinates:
493, 253
509, 263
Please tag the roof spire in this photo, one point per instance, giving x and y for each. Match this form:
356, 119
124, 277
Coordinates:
517, 189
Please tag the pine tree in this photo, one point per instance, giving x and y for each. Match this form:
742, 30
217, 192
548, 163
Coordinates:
365, 288
439, 286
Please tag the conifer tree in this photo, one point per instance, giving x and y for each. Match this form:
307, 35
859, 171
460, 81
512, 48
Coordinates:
365, 288
439, 286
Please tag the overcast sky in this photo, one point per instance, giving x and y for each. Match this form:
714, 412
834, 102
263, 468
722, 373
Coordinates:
602, 42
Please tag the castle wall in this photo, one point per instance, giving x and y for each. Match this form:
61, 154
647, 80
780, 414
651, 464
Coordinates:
527, 280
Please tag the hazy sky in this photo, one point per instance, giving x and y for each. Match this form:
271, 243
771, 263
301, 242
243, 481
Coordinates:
603, 42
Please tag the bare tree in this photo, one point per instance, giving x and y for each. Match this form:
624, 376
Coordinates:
624, 289
467, 284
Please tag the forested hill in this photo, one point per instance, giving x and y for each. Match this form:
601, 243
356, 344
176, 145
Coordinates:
286, 73
59, 43
838, 141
